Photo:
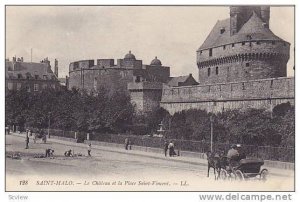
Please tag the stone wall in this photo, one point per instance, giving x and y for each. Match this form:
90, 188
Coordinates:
145, 95
243, 61
264, 93
112, 79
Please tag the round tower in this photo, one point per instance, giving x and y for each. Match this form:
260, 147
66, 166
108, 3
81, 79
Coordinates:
253, 52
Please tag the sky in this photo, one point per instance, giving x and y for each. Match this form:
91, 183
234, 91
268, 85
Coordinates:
172, 33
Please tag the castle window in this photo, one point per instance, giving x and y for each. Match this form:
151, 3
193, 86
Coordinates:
208, 72
232, 45
200, 52
243, 86
222, 30
258, 42
284, 44
273, 42
28, 89
247, 64
45, 77
271, 84
36, 76
243, 43
224, 47
210, 52
10, 85
217, 70
35, 87
19, 76
138, 79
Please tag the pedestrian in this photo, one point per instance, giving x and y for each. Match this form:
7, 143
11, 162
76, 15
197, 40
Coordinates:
89, 149
171, 148
44, 138
129, 145
34, 138
47, 154
126, 143
166, 144
27, 141
29, 133
6, 130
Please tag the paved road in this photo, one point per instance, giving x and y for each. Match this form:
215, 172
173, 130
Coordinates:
114, 170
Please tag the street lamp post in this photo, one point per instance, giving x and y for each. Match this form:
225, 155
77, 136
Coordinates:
211, 133
49, 124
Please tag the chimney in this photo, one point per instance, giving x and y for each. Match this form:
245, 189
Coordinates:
67, 82
56, 68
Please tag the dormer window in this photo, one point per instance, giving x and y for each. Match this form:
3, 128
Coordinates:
224, 47
36, 76
19, 76
222, 30
265, 25
210, 52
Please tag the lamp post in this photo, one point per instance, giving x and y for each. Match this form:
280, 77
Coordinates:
49, 124
211, 132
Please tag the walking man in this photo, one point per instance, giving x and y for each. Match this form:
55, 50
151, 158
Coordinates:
126, 143
27, 141
89, 149
166, 145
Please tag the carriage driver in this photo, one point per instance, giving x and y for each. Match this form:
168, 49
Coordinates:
233, 156
241, 152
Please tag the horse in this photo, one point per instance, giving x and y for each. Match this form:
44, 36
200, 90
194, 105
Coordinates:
217, 161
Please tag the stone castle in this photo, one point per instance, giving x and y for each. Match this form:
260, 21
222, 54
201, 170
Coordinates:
242, 64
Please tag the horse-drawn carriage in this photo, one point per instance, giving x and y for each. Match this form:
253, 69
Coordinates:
243, 169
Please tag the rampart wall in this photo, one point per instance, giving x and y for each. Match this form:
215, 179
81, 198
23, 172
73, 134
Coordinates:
263, 93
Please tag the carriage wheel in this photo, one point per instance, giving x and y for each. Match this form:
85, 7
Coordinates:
263, 174
239, 175
223, 174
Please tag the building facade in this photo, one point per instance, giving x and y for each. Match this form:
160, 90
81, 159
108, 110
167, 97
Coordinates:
31, 76
106, 74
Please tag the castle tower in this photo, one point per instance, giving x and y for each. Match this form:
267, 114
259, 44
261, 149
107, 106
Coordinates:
242, 48
145, 96
56, 68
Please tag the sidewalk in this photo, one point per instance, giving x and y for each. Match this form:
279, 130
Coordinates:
189, 160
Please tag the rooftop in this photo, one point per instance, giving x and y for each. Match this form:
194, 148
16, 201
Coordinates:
254, 29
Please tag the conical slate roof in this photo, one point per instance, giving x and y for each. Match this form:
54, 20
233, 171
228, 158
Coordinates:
253, 29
